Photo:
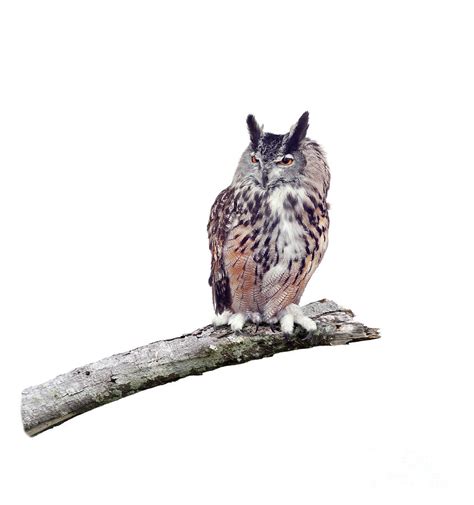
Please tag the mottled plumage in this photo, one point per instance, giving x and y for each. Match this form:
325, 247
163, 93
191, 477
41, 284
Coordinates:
268, 229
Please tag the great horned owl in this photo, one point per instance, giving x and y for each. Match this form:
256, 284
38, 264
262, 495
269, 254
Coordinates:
268, 229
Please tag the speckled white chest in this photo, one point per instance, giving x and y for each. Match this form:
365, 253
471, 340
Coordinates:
290, 232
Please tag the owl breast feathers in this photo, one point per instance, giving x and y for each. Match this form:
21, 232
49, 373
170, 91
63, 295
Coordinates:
268, 229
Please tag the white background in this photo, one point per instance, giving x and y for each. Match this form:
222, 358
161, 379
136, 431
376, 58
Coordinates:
120, 123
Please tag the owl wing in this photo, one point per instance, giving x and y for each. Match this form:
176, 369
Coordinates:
220, 222
285, 282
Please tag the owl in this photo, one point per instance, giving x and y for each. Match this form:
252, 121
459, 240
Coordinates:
268, 231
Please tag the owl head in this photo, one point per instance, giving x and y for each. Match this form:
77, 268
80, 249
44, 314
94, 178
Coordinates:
271, 160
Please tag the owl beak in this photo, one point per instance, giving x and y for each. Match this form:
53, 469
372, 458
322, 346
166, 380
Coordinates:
264, 177
265, 170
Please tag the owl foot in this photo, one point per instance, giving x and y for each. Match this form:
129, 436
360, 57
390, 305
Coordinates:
222, 319
237, 321
255, 317
294, 314
287, 324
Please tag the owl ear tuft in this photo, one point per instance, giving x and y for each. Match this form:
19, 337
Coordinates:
297, 132
255, 131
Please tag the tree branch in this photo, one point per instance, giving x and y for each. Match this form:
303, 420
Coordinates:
208, 348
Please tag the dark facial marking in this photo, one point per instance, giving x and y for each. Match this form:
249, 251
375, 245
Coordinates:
270, 146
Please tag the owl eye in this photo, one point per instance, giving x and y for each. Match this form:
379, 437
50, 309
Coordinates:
286, 161
253, 158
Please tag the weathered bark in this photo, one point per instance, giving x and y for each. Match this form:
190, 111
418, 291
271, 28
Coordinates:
120, 375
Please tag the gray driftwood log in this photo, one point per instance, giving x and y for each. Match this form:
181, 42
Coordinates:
208, 348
